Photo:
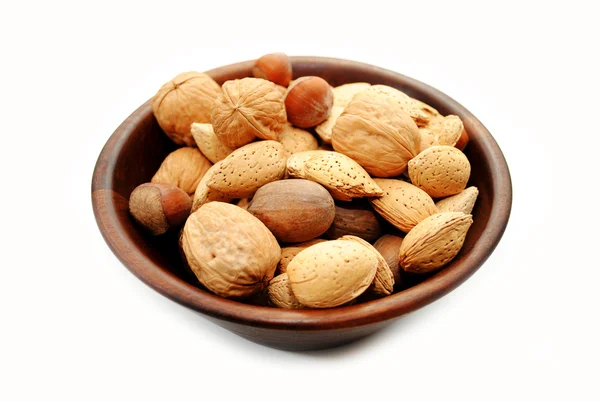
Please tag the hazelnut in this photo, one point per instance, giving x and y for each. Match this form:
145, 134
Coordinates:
308, 101
463, 140
275, 67
159, 207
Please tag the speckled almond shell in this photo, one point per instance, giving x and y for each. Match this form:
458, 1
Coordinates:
440, 171
461, 202
332, 273
281, 294
186, 99
208, 143
383, 283
377, 133
434, 242
290, 252
248, 108
402, 204
296, 140
204, 194
183, 168
230, 251
296, 162
344, 177
248, 168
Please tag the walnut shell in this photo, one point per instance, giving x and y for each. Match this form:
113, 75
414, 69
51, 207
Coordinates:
248, 108
375, 132
186, 99
183, 168
230, 251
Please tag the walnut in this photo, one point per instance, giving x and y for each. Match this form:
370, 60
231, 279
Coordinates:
183, 168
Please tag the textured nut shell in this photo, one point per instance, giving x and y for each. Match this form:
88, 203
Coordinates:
402, 204
243, 203
276, 67
296, 140
208, 143
461, 202
281, 294
248, 108
353, 219
343, 94
183, 168
158, 207
231, 252
345, 178
308, 101
389, 247
434, 128
288, 253
293, 210
248, 168
325, 129
204, 194
383, 283
296, 162
377, 133
185, 99
434, 242
332, 273
440, 171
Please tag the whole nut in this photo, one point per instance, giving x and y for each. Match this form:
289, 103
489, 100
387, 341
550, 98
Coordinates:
434, 242
331, 273
389, 246
341, 175
356, 219
204, 194
275, 67
296, 140
308, 101
375, 132
248, 108
383, 283
294, 210
230, 251
290, 252
159, 207
185, 99
296, 162
461, 202
402, 204
440, 171
183, 168
281, 294
248, 168
208, 143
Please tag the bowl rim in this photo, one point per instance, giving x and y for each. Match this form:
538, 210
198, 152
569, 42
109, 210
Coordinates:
105, 207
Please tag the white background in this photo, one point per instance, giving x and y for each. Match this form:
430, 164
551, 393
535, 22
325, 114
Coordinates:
76, 325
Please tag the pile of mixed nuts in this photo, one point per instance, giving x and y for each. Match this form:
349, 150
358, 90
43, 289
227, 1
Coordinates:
282, 186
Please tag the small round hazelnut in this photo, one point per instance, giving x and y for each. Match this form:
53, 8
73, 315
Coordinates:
159, 207
275, 67
308, 101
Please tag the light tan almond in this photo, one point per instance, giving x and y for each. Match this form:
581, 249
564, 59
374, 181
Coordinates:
243, 203
281, 295
434, 242
377, 133
230, 251
461, 202
440, 171
383, 283
183, 168
296, 140
325, 129
248, 168
402, 204
344, 177
331, 273
288, 253
204, 194
208, 143
389, 246
343, 94
296, 162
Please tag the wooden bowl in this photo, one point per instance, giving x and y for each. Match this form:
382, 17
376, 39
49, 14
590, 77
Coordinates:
134, 152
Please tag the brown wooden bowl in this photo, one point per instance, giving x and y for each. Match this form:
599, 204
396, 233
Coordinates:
136, 149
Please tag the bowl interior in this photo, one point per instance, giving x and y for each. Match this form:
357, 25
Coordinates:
135, 151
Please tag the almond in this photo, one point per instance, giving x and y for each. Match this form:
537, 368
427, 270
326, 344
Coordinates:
434, 242
208, 143
389, 246
204, 194
248, 168
332, 273
345, 178
461, 202
296, 162
290, 252
296, 140
402, 204
440, 171
281, 295
383, 283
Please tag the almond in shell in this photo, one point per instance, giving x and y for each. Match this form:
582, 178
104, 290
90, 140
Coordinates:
288, 253
204, 194
208, 143
461, 202
281, 295
296, 140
